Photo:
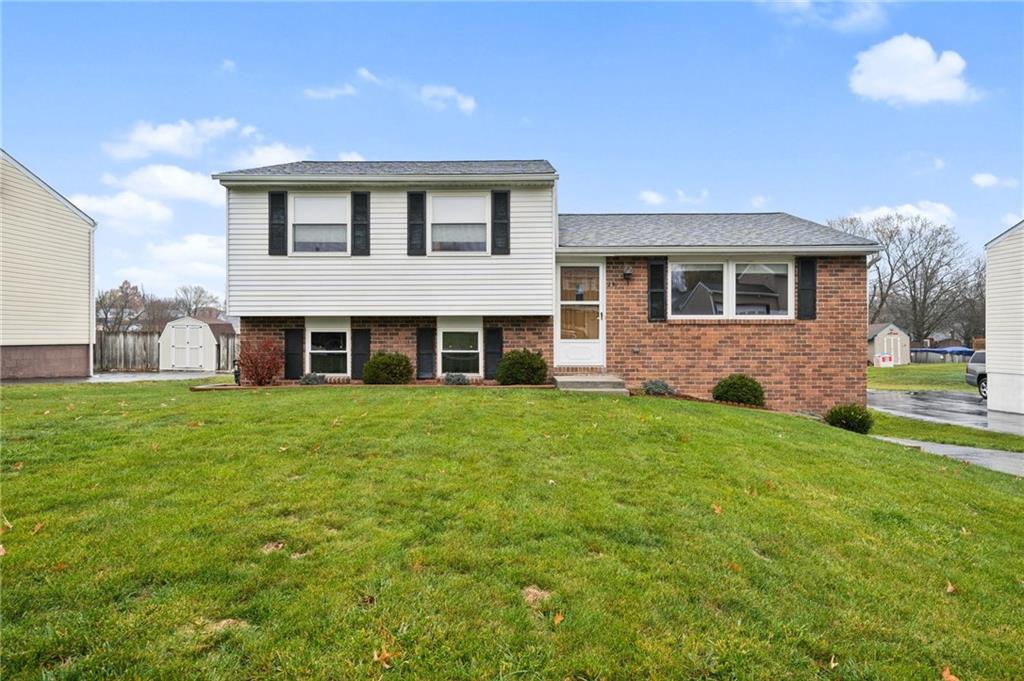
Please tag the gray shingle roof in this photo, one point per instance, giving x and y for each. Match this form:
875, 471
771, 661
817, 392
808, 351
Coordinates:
593, 230
398, 168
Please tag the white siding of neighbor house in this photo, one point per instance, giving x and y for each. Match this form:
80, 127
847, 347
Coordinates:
46, 262
1004, 321
389, 282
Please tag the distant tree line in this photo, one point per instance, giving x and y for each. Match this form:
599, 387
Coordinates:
923, 279
129, 308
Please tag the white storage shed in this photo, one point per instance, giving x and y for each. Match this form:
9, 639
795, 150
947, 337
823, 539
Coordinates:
188, 344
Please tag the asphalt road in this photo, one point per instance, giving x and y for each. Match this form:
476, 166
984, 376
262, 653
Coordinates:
960, 409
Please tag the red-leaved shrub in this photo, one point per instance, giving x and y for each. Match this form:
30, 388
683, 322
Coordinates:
261, 360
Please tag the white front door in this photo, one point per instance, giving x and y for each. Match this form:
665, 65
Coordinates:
579, 324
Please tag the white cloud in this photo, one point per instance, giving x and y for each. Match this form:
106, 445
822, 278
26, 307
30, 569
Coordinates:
938, 163
906, 70
696, 199
350, 156
192, 259
366, 75
439, 96
184, 138
228, 66
125, 211
759, 200
1010, 219
845, 17
651, 197
249, 131
938, 213
272, 154
988, 180
170, 182
330, 92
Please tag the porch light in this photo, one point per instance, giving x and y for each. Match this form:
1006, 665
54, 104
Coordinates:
627, 272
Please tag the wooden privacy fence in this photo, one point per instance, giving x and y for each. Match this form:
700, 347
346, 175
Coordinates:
140, 351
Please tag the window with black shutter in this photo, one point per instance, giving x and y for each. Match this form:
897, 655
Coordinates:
656, 298
501, 225
360, 223
277, 233
417, 224
807, 288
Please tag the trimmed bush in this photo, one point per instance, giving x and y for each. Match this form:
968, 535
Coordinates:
739, 388
261, 361
522, 367
455, 379
657, 387
850, 417
313, 379
387, 368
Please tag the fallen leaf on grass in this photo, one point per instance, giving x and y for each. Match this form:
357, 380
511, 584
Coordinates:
334, 423
60, 567
717, 509
46, 413
367, 600
534, 595
948, 675
283, 449
559, 617
384, 656
272, 546
18, 465
964, 530
155, 446
315, 449
191, 424
832, 664
71, 407
735, 567
950, 588
34, 530
229, 623
3, 551
297, 555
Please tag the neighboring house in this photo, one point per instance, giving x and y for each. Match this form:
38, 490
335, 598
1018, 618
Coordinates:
1004, 320
46, 258
453, 263
888, 339
191, 344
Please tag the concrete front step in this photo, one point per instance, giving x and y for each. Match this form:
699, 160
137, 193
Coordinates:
592, 383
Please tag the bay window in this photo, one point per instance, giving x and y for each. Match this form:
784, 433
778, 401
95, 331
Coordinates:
320, 223
458, 223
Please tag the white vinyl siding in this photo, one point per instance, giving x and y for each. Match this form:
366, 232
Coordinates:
1004, 321
46, 263
390, 282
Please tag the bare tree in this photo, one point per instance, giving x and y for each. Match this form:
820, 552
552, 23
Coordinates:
157, 312
118, 309
968, 320
195, 301
885, 270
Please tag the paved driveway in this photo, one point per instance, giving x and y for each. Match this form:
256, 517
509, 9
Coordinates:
129, 377
959, 409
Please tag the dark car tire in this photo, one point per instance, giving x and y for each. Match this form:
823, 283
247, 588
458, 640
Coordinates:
983, 387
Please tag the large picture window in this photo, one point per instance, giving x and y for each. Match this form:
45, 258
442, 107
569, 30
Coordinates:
320, 223
762, 289
458, 224
698, 289
460, 352
328, 352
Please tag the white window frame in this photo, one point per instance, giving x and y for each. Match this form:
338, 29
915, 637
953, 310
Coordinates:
348, 225
328, 325
430, 222
464, 325
729, 285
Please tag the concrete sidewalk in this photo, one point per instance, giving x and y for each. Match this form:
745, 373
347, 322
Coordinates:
126, 377
993, 459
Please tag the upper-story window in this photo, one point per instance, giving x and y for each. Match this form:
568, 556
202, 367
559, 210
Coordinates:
320, 223
459, 222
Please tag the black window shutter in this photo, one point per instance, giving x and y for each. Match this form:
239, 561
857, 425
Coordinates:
294, 339
360, 223
425, 346
360, 351
492, 351
501, 225
417, 217
807, 289
277, 233
656, 290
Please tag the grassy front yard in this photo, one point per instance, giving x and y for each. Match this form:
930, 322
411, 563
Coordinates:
920, 377
916, 429
469, 533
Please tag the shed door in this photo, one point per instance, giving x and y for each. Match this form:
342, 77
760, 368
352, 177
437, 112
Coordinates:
187, 347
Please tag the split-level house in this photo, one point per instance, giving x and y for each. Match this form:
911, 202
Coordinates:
452, 263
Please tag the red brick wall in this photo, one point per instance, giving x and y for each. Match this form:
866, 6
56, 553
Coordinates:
804, 365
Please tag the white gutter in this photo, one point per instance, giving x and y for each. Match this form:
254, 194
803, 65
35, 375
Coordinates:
864, 249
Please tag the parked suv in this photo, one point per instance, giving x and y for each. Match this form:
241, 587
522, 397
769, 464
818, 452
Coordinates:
976, 373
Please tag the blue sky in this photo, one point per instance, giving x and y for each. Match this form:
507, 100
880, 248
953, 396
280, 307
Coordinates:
817, 110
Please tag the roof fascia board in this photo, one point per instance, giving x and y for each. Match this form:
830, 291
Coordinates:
865, 249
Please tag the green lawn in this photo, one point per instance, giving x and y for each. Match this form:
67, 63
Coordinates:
293, 533
915, 429
920, 377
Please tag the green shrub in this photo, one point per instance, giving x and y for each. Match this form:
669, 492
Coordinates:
657, 387
522, 367
387, 368
850, 417
455, 379
313, 379
739, 388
